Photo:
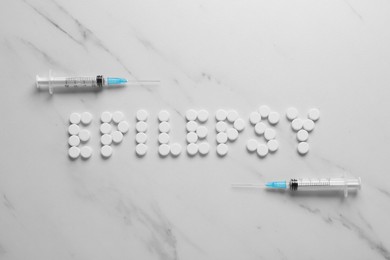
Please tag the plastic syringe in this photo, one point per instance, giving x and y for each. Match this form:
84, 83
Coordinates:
310, 184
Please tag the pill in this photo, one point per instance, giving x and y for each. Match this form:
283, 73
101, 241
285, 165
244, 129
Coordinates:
291, 113
262, 150
273, 118
222, 149
75, 118
123, 127
221, 126
73, 129
273, 145
297, 124
269, 134
232, 134
308, 125
117, 117
221, 115
191, 126
260, 128
84, 135
251, 145
239, 124
204, 148
164, 149
163, 138
164, 127
141, 138
106, 139
303, 148
141, 126
106, 117
117, 137
175, 149
302, 135
222, 138
141, 149
192, 137
314, 114
192, 149
254, 118
264, 111
106, 151
191, 115
86, 152
202, 132
74, 152
74, 140
105, 128
86, 118
163, 116
142, 115
203, 115
232, 116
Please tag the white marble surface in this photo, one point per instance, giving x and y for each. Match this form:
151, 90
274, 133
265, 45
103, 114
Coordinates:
333, 55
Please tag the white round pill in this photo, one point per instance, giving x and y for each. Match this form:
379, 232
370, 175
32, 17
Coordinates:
273, 145
303, 148
73, 129
117, 137
204, 148
232, 116
141, 149
264, 111
269, 134
86, 152
106, 151
273, 118
239, 124
202, 132
141, 138
164, 149
254, 118
302, 135
141, 126
314, 114
191, 115
75, 118
222, 138
105, 128
192, 137
163, 116
106, 139
123, 127
74, 152
260, 128
175, 149
308, 125
117, 117
106, 117
74, 140
221, 115
221, 126
262, 150
203, 115
291, 113
192, 149
297, 124
163, 138
222, 149
86, 118
164, 127
251, 145
84, 135
232, 134
191, 126
142, 115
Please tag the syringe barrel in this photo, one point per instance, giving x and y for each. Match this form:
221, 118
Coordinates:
70, 82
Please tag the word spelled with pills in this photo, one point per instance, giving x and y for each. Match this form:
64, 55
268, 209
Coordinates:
228, 126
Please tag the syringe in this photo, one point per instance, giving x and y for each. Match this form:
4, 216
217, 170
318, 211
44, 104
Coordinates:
310, 184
